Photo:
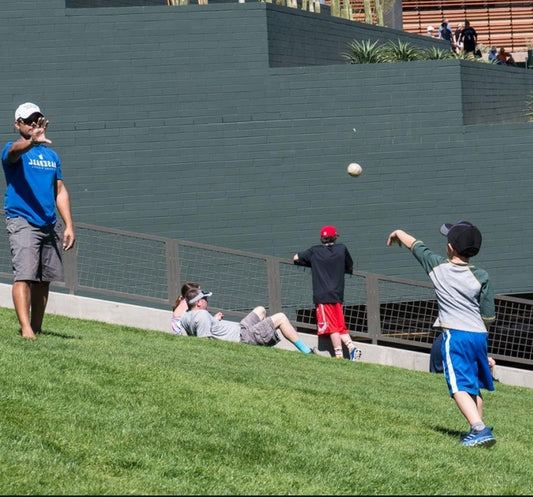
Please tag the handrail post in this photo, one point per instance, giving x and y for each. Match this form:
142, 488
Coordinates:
274, 285
70, 269
171, 255
372, 307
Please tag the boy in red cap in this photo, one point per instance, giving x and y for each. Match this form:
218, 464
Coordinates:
329, 262
466, 308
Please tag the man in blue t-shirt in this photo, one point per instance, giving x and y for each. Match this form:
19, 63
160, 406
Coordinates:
35, 189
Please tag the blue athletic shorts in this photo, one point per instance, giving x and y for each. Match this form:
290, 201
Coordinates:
465, 360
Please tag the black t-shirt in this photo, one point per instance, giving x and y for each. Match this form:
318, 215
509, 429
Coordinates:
468, 37
328, 265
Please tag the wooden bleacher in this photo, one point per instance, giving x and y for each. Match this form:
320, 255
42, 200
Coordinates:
500, 23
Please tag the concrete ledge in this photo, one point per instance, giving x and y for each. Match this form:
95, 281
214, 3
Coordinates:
105, 311
159, 320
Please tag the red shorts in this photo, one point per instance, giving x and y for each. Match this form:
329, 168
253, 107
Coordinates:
330, 319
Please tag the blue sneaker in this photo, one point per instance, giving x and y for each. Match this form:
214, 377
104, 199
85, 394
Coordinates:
355, 353
483, 438
466, 433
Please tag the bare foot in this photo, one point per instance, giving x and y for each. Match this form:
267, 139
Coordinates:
28, 334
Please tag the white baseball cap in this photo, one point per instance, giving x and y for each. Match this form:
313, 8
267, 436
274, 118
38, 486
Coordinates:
202, 294
26, 110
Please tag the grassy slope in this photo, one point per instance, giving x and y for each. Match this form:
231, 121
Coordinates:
90, 408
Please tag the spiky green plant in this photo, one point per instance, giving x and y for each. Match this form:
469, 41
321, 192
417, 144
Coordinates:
367, 52
436, 53
466, 56
400, 51
364, 52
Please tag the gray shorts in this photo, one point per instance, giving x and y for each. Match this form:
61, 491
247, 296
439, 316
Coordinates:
35, 251
257, 332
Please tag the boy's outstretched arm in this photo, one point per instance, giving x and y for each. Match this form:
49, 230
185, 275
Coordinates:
299, 262
401, 238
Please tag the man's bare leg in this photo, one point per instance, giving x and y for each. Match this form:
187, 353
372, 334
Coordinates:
282, 322
21, 293
260, 311
39, 299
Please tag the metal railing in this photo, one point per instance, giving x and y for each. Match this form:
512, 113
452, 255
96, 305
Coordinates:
149, 270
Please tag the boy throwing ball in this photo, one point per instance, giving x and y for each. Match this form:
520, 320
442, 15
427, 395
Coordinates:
466, 308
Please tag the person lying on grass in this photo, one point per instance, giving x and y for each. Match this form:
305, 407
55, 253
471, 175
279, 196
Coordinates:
255, 329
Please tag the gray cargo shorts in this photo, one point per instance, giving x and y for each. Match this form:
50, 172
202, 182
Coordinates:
35, 251
257, 332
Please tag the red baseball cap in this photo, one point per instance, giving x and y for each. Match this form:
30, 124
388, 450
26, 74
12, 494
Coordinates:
328, 231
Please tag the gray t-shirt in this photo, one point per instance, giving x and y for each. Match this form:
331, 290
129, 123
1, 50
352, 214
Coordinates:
203, 324
464, 293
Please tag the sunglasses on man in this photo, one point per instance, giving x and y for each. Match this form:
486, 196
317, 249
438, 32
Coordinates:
33, 119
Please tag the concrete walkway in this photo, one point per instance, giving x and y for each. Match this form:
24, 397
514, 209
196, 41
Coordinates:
159, 320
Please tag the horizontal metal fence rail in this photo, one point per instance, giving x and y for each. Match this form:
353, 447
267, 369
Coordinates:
149, 270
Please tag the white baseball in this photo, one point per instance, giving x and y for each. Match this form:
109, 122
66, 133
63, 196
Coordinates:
354, 169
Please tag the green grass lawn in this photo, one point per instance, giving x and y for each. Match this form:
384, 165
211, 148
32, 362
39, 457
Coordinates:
91, 408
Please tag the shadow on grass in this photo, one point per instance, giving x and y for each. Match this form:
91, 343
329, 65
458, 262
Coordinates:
447, 431
59, 335
54, 334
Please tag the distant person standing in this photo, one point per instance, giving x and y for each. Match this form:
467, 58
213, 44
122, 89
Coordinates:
445, 32
458, 46
329, 262
468, 38
444, 25
35, 189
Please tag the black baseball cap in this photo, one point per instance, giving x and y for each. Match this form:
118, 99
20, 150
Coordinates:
463, 236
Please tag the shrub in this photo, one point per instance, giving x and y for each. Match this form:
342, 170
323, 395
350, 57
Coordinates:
400, 51
435, 53
363, 52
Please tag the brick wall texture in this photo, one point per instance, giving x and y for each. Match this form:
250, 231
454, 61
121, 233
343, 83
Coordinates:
233, 124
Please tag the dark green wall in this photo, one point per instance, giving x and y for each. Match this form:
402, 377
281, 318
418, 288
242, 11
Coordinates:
298, 38
232, 124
